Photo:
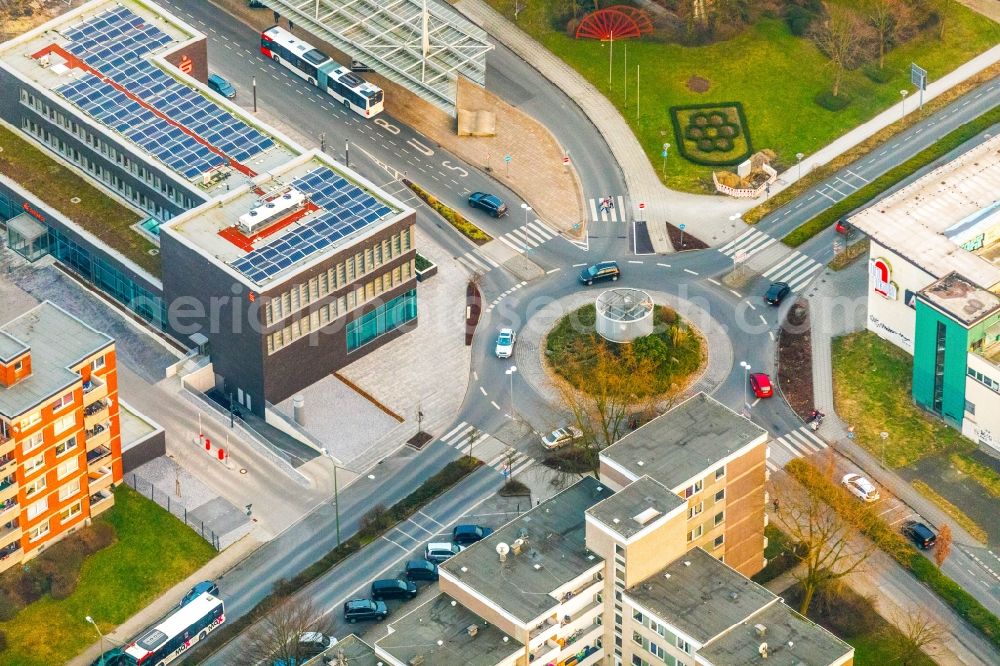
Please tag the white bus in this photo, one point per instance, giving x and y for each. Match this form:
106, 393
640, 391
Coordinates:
176, 634
322, 71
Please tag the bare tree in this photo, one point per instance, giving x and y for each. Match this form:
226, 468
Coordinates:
829, 544
918, 634
276, 636
845, 40
942, 548
891, 22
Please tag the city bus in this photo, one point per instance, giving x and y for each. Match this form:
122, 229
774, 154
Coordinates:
177, 633
321, 71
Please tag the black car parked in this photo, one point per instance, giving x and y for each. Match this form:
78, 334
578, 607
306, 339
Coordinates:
777, 292
463, 535
393, 588
605, 270
919, 534
491, 203
421, 570
362, 610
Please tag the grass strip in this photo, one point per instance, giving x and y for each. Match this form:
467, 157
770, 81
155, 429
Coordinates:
431, 488
850, 254
454, 218
944, 145
819, 174
982, 474
893, 543
959, 516
780, 557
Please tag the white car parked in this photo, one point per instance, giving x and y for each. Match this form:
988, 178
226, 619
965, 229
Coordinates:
561, 437
505, 343
860, 487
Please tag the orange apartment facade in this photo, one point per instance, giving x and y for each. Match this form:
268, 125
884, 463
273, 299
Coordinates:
60, 441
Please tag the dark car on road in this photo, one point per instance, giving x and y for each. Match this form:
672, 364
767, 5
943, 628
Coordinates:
491, 203
605, 270
463, 535
393, 588
363, 610
919, 534
113, 657
196, 591
221, 86
421, 570
777, 292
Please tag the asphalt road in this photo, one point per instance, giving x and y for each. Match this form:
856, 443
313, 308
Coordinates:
751, 326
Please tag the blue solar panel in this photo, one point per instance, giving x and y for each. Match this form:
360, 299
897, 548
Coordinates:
319, 231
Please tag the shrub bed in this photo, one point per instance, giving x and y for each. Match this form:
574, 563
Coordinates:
712, 134
373, 525
832, 102
862, 196
454, 218
877, 74
779, 554
892, 542
849, 255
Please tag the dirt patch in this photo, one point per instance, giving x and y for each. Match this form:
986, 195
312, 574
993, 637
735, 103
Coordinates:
419, 440
795, 379
17, 18
689, 242
698, 84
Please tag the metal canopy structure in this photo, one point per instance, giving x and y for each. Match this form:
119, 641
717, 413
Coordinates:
419, 44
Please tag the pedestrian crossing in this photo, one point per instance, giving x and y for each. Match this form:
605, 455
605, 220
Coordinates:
527, 236
601, 212
799, 443
477, 262
508, 462
796, 269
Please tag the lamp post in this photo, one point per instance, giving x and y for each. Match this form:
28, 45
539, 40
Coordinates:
666, 147
336, 495
746, 378
254, 85
903, 94
510, 373
527, 209
798, 158
99, 634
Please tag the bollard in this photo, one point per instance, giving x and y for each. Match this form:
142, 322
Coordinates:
208, 444
222, 455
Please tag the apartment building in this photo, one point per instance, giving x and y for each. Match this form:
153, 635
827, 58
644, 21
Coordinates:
646, 566
60, 443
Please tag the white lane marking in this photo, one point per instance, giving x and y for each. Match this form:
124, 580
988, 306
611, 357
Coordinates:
455, 429
475, 375
483, 390
578, 265
550, 272
688, 270
405, 550
736, 293
715, 282
827, 196
633, 261
420, 147
762, 320
859, 176
736, 240
448, 165
493, 402
771, 333
664, 265
751, 305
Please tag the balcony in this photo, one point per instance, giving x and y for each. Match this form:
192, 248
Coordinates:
97, 436
94, 456
95, 413
99, 479
101, 501
95, 389
9, 510
546, 628
6, 444
10, 532
583, 643
7, 465
10, 556
8, 488
581, 619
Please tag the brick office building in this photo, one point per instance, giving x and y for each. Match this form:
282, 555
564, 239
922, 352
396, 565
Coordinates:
60, 443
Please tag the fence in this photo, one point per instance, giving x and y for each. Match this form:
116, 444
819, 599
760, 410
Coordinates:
146, 489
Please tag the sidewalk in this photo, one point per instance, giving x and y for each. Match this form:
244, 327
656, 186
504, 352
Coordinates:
709, 217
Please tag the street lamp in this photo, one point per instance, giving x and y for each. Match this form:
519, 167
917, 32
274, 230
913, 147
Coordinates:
336, 495
666, 147
254, 83
100, 635
510, 373
527, 209
798, 158
746, 378
902, 106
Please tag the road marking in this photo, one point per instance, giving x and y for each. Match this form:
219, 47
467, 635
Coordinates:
475, 375
827, 196
405, 550
455, 429
736, 293
754, 403
664, 265
493, 402
633, 261
715, 282
688, 270
578, 265
751, 305
483, 390
552, 271
858, 176
762, 320
430, 519
771, 333
420, 147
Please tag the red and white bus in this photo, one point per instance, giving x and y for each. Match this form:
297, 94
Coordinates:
320, 70
177, 633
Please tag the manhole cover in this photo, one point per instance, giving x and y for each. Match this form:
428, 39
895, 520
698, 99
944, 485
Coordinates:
243, 470
75, 200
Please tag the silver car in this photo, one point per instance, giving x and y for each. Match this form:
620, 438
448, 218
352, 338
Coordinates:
561, 437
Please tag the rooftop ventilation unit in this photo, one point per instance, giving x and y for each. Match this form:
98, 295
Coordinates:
760, 630
270, 211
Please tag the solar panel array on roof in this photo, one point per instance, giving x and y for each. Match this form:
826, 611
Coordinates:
112, 43
346, 209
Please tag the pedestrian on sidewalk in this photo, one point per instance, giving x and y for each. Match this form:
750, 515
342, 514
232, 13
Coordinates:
775, 504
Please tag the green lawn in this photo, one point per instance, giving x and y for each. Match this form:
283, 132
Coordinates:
57, 186
773, 73
871, 387
153, 552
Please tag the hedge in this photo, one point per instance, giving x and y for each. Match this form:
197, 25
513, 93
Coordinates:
432, 487
708, 109
455, 219
893, 543
944, 145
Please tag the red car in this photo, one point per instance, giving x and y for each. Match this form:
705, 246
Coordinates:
843, 227
761, 385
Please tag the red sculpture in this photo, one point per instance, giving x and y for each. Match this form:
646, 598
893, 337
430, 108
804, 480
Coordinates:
615, 22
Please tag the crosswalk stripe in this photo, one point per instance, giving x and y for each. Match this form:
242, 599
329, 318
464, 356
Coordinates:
769, 243
533, 234
453, 431
516, 248
465, 442
540, 229
525, 464
593, 210
477, 265
794, 451
802, 442
771, 466
801, 282
488, 260
497, 458
810, 435
552, 232
459, 436
733, 242
783, 265
805, 268
621, 206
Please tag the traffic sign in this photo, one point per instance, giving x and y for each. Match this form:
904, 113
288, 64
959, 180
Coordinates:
566, 160
681, 226
663, 154
918, 76
507, 158
641, 205
740, 256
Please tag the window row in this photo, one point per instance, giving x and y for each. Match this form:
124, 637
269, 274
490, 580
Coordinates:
346, 272
984, 380
339, 307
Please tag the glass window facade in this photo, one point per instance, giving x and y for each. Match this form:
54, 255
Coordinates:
381, 320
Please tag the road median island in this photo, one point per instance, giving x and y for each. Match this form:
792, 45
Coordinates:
896, 546
376, 523
454, 218
946, 144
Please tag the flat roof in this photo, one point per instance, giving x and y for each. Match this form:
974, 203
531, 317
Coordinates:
441, 631
700, 595
928, 220
639, 504
10, 348
688, 440
354, 651
555, 553
338, 209
792, 640
105, 60
58, 340
960, 298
